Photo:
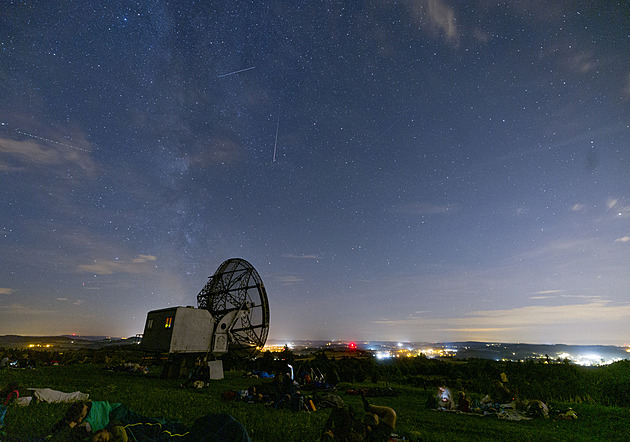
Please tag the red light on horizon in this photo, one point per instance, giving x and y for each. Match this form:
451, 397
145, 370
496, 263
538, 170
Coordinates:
352, 346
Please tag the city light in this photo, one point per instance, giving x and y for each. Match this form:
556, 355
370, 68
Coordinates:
383, 351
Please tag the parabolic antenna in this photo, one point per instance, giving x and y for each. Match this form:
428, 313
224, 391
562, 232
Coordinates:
235, 286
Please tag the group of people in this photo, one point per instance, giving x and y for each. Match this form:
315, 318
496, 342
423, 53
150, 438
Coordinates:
444, 400
102, 421
281, 392
500, 401
499, 395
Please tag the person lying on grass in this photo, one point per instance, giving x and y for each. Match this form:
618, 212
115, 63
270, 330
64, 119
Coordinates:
211, 427
343, 425
88, 417
379, 421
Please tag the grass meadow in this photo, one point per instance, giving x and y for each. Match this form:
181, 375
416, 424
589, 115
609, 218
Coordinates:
151, 396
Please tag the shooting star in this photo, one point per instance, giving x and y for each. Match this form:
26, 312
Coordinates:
48, 140
386, 130
275, 145
236, 72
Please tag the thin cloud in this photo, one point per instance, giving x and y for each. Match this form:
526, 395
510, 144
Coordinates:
140, 264
611, 202
476, 330
437, 19
550, 294
546, 292
443, 17
20, 154
290, 279
292, 256
5, 291
22, 310
577, 207
144, 258
7, 168
543, 315
619, 209
520, 318
582, 62
582, 296
623, 239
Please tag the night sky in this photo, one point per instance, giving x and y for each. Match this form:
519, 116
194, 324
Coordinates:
423, 170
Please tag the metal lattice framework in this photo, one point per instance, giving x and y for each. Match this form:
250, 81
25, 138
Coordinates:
234, 286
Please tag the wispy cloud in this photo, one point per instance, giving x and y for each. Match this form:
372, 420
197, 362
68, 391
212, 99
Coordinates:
443, 17
436, 18
20, 154
542, 315
577, 207
5, 291
611, 202
144, 258
139, 264
75, 302
546, 292
519, 319
617, 207
293, 256
582, 62
23, 310
290, 279
623, 239
593, 297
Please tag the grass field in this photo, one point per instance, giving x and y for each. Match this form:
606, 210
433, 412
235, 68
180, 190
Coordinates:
151, 396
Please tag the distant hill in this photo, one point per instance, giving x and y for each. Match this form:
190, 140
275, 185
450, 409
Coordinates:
60, 342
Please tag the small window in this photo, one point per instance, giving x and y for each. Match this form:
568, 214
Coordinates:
169, 322
149, 323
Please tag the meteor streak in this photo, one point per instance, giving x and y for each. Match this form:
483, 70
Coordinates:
236, 72
275, 145
48, 140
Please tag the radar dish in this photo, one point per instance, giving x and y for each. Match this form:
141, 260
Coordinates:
237, 285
